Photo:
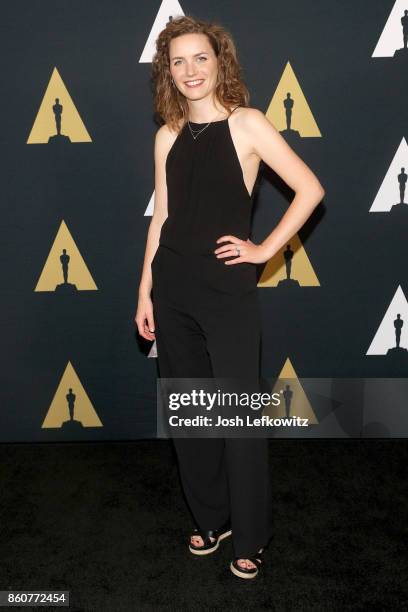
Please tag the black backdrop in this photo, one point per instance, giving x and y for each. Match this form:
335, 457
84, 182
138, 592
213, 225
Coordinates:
101, 189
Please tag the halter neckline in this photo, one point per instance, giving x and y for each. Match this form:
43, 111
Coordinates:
219, 120
206, 122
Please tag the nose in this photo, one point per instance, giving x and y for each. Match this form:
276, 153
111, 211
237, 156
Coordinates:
190, 69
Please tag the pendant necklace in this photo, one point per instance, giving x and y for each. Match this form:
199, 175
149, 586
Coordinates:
196, 132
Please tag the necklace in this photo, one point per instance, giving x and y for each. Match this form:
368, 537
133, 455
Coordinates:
196, 132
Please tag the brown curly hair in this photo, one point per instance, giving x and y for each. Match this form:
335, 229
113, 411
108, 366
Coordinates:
169, 103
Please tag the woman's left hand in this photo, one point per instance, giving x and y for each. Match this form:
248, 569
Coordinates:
248, 251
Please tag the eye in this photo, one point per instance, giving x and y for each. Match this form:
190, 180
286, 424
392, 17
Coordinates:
202, 57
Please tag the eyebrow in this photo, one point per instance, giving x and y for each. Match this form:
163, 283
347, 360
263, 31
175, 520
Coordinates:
195, 55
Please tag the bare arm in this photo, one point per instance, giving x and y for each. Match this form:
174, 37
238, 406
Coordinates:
265, 141
273, 149
160, 209
144, 316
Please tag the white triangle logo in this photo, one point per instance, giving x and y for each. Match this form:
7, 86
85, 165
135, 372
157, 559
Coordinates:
392, 40
153, 350
150, 207
169, 9
395, 318
394, 186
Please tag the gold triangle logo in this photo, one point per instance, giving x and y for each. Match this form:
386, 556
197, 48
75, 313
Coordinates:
288, 110
289, 267
57, 120
65, 270
294, 401
71, 406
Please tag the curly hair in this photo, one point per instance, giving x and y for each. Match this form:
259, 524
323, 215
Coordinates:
230, 90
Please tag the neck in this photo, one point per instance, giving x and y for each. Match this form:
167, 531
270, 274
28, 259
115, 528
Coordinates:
205, 120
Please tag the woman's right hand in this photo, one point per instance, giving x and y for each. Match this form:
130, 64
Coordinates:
144, 318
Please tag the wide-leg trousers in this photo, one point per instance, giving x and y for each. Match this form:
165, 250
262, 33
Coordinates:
207, 324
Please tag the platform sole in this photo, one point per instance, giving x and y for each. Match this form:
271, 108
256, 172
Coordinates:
244, 575
208, 551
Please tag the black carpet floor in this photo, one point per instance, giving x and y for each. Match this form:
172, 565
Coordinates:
107, 522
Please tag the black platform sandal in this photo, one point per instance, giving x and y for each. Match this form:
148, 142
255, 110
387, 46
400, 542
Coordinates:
209, 546
250, 572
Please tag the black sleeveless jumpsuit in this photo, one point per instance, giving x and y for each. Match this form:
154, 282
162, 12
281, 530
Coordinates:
207, 324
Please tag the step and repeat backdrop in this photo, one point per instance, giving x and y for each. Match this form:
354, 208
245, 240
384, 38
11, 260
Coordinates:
78, 194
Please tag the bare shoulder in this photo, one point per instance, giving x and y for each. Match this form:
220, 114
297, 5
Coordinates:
253, 127
164, 139
248, 123
249, 118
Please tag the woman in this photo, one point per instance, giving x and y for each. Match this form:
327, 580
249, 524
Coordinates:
200, 263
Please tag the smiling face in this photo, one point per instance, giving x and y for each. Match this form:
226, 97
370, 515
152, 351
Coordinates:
193, 65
